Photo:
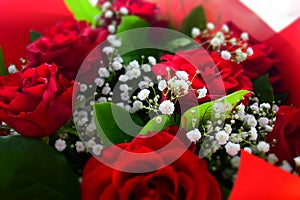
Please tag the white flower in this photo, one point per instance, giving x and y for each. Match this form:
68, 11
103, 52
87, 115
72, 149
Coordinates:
103, 72
286, 166
162, 85
272, 158
166, 107
124, 87
83, 87
265, 105
12, 69
247, 149
228, 128
253, 133
235, 161
269, 128
106, 90
233, 41
182, 75
124, 11
210, 26
219, 107
251, 121
134, 65
225, 28
91, 143
263, 121
79, 147
254, 107
106, 5
133, 73
108, 50
179, 87
81, 118
249, 51
117, 65
108, 14
118, 59
97, 149
146, 67
232, 148
158, 119
143, 94
123, 78
226, 55
202, 92
215, 42
194, 135
263, 147
240, 108
91, 127
240, 56
111, 28
244, 36
275, 108
60, 145
143, 85
195, 32
297, 161
102, 99
124, 96
137, 105
152, 60
222, 137
99, 82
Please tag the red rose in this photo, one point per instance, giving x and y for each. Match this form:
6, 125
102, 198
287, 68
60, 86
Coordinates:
66, 44
215, 73
286, 132
37, 102
187, 178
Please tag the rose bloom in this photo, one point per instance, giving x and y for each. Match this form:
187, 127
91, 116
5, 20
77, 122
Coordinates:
210, 67
187, 178
36, 102
286, 132
66, 44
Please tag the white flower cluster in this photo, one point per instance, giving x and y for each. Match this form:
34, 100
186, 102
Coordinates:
222, 41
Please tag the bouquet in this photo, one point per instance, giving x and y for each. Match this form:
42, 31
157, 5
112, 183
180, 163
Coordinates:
127, 102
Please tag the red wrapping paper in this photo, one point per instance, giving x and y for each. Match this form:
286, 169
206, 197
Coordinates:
258, 179
18, 17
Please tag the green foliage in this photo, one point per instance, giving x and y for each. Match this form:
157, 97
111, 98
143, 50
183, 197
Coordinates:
83, 10
114, 124
153, 125
263, 89
204, 112
34, 35
131, 22
196, 18
33, 170
3, 70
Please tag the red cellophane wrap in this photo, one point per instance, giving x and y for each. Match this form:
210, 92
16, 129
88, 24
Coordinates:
19, 17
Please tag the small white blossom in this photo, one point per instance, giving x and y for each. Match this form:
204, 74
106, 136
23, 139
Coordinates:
12, 69
228, 128
194, 135
106, 90
133, 73
162, 85
99, 82
117, 65
232, 148
226, 55
253, 133
158, 119
254, 107
124, 87
195, 32
124, 11
235, 161
166, 107
137, 105
118, 59
83, 87
108, 14
143, 85
134, 65
106, 5
108, 50
233, 41
152, 60
269, 128
251, 121
263, 121
244, 36
97, 149
215, 42
263, 147
111, 28
249, 51
182, 75
297, 161
60, 145
222, 137
125, 96
240, 56
225, 28
146, 68
81, 118
202, 92
210, 26
103, 72
143, 94
272, 158
219, 107
275, 108
102, 99
79, 147
265, 105
91, 143
247, 149
123, 78
286, 166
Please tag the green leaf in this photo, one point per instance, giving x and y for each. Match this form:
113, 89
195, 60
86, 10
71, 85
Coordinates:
83, 10
204, 112
3, 70
196, 18
131, 22
263, 89
30, 169
114, 124
225, 192
281, 98
34, 35
153, 125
